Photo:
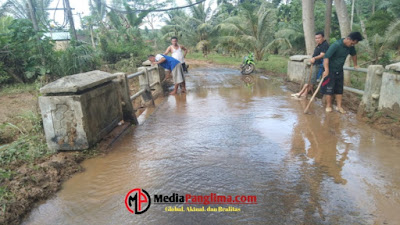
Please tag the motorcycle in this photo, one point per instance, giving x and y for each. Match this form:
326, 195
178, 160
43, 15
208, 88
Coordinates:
248, 65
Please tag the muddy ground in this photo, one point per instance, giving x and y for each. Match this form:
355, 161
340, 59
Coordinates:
32, 182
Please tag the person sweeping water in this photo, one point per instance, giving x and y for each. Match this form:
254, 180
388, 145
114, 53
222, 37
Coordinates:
334, 60
173, 67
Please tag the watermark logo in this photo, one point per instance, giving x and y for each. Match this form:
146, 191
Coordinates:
137, 201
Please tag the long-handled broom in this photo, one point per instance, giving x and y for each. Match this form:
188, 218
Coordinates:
315, 93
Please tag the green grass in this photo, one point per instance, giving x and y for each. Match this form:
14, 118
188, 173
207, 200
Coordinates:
30, 142
358, 79
17, 88
275, 63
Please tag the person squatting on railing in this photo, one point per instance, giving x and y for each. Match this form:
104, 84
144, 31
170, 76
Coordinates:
172, 66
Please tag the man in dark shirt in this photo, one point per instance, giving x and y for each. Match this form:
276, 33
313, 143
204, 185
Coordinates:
334, 60
316, 61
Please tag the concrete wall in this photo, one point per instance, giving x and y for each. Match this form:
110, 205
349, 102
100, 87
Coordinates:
298, 68
77, 122
390, 91
370, 99
79, 110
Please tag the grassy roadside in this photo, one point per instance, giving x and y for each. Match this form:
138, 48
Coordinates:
18, 89
29, 171
275, 63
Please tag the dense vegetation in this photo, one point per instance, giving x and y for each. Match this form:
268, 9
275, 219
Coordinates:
111, 34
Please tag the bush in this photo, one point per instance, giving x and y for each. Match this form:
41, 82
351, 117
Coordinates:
378, 23
25, 54
77, 58
112, 53
4, 77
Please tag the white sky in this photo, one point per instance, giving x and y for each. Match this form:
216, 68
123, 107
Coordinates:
82, 7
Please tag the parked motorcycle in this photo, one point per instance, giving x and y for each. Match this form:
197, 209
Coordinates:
248, 65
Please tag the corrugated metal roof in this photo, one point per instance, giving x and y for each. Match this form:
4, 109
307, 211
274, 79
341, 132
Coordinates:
58, 36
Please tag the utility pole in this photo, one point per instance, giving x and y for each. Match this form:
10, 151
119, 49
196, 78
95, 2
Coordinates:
71, 21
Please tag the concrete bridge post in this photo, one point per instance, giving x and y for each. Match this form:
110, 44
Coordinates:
123, 89
79, 110
373, 83
390, 92
298, 68
144, 82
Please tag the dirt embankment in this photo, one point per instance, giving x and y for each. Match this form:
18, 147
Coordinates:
386, 121
27, 181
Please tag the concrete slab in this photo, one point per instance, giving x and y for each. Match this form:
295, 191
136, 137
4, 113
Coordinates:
394, 66
77, 83
77, 122
299, 58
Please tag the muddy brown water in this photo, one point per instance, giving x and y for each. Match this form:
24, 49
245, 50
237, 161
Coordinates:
230, 137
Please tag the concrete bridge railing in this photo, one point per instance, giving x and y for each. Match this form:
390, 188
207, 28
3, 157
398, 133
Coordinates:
382, 85
81, 109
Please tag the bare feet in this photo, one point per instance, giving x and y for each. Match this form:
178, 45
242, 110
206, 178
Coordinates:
295, 95
172, 93
341, 110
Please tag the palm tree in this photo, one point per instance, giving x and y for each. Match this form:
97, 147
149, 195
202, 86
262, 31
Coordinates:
195, 28
253, 29
380, 44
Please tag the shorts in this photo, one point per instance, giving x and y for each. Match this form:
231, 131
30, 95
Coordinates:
316, 69
333, 84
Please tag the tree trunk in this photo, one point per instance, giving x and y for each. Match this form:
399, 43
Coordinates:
71, 21
91, 36
328, 19
344, 24
308, 25
373, 7
32, 13
352, 15
362, 23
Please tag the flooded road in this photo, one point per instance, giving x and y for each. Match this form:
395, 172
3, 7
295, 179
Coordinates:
230, 137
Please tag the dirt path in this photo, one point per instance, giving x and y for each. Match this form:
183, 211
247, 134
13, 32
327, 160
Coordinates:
14, 104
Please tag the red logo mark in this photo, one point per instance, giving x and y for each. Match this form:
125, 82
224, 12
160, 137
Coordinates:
137, 201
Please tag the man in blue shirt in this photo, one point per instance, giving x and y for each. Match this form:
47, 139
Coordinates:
172, 66
334, 60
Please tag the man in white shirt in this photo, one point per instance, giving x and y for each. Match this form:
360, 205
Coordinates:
179, 53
